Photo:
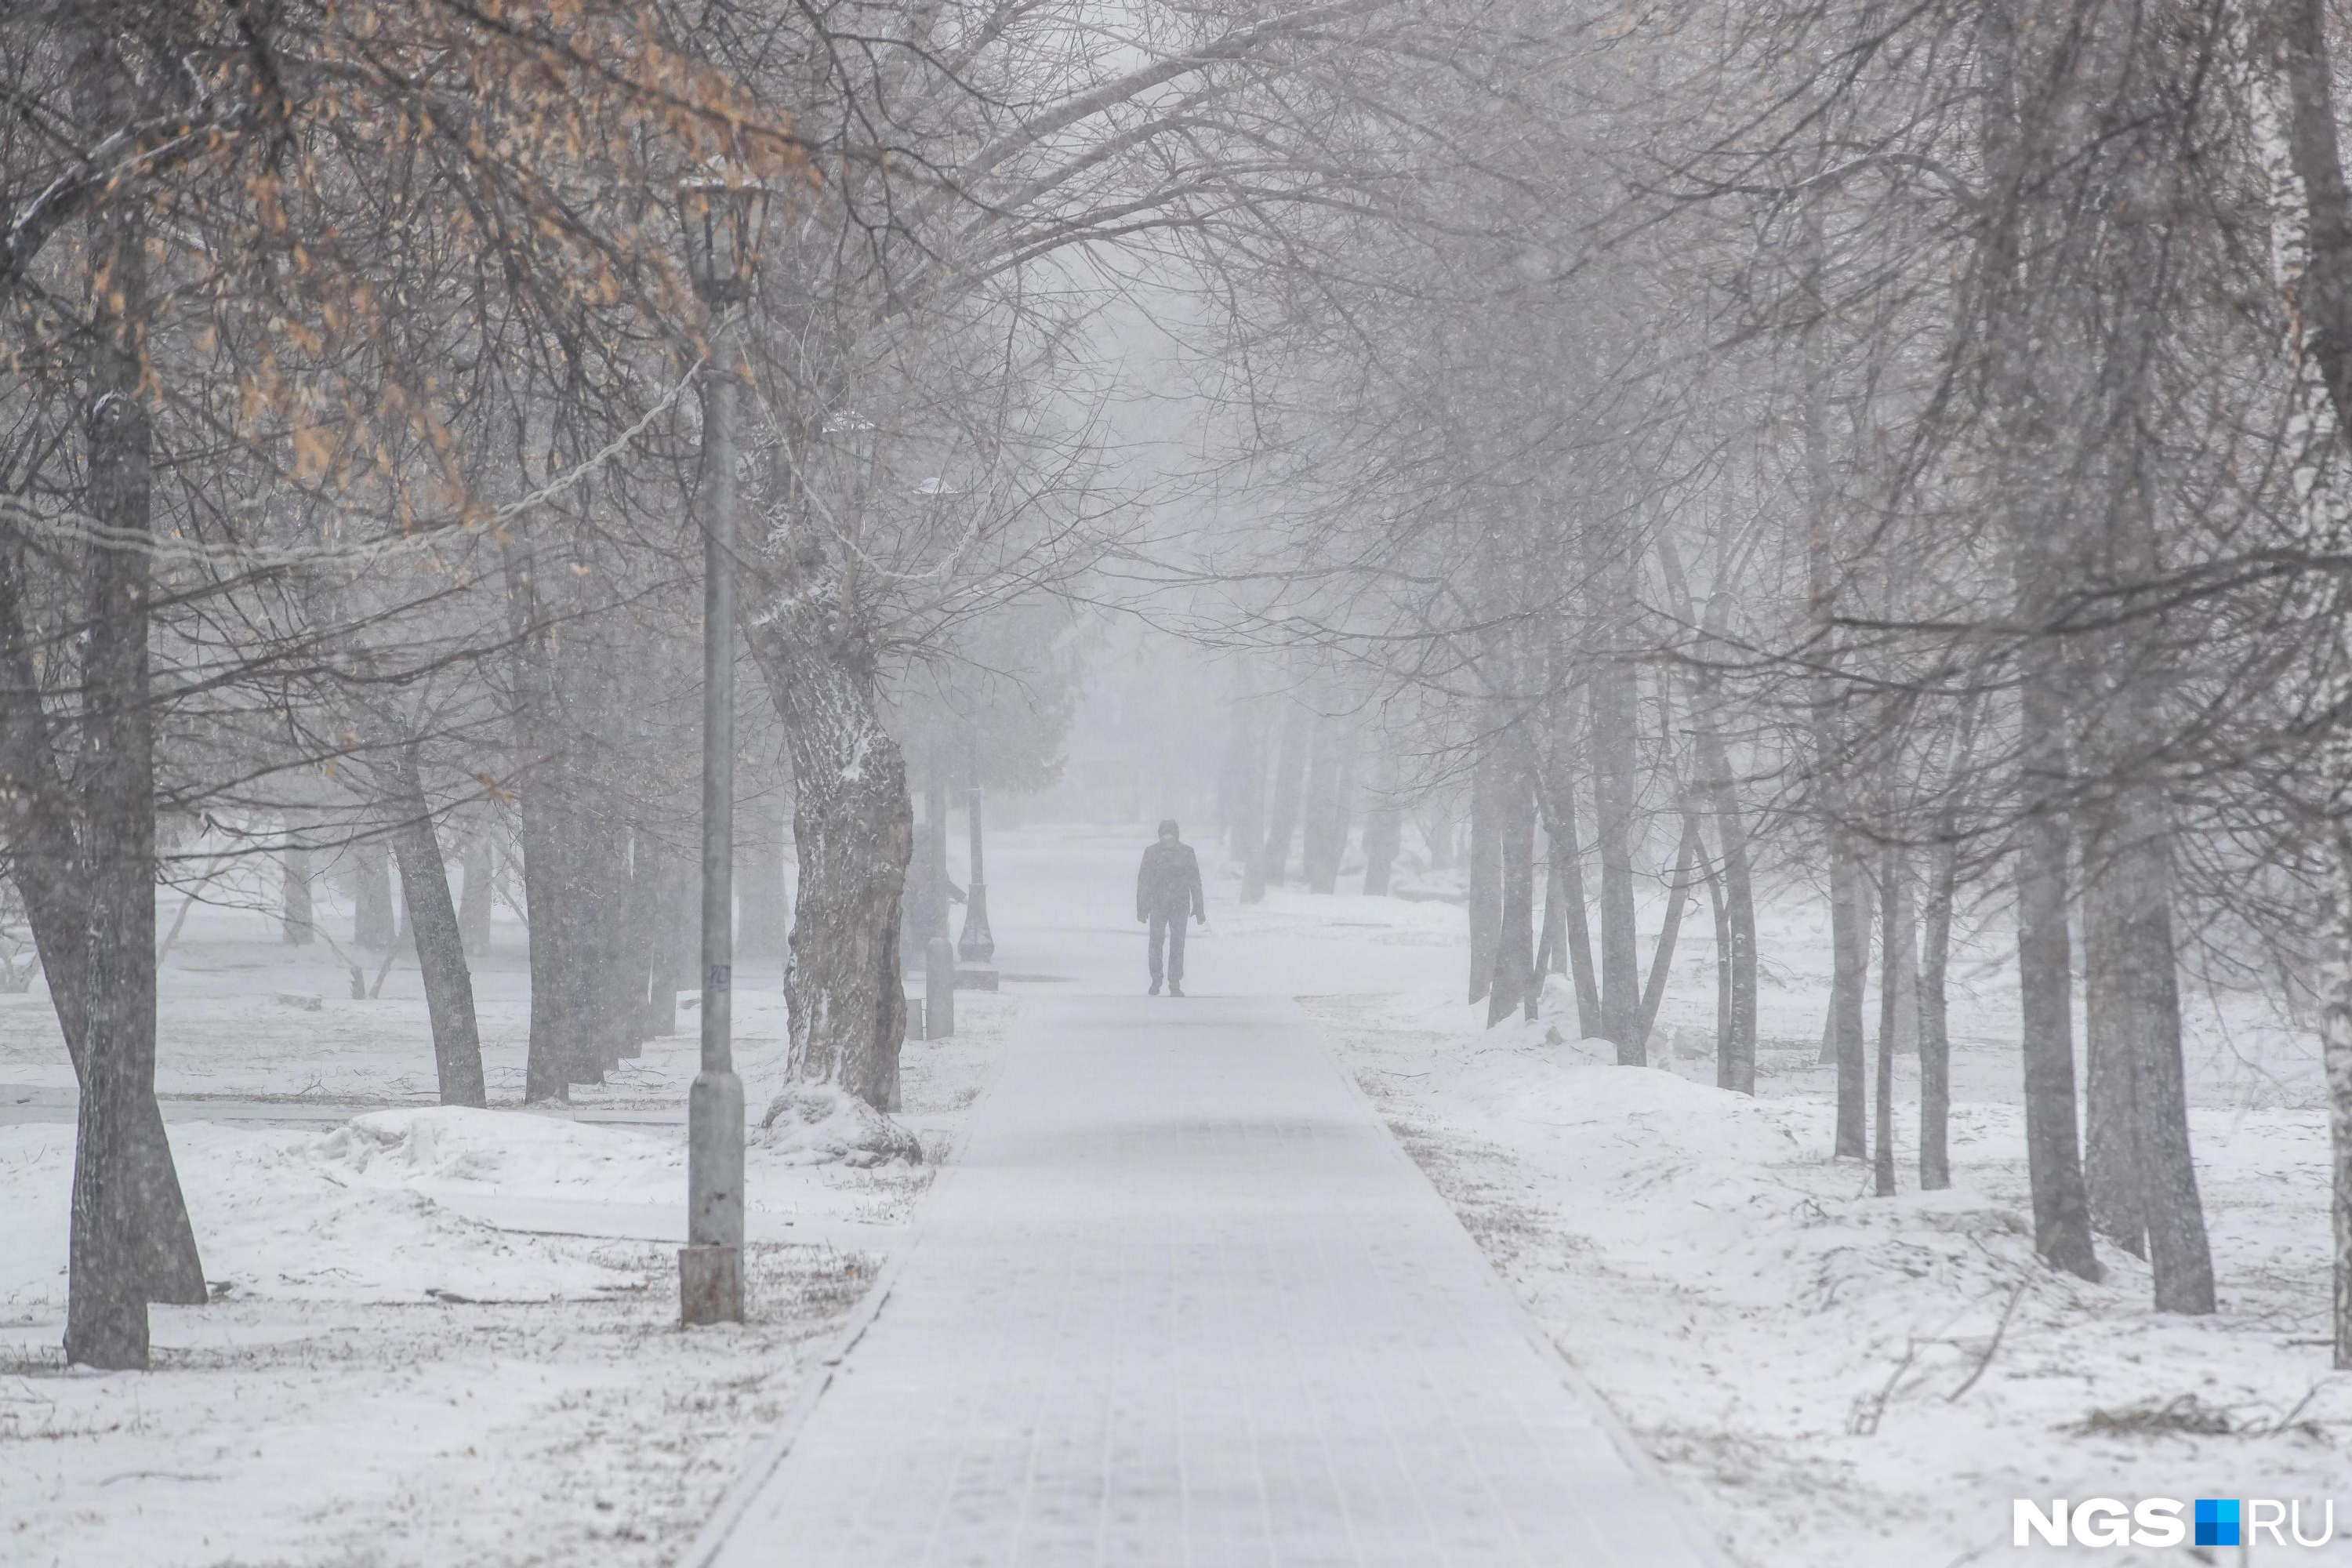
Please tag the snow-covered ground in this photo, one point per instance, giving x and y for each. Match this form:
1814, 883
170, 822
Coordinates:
450, 1336
1841, 1381
439, 1336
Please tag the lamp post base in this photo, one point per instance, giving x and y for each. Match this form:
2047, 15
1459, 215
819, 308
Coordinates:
710, 1286
978, 944
711, 1267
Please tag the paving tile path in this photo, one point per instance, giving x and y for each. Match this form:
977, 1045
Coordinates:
1182, 1300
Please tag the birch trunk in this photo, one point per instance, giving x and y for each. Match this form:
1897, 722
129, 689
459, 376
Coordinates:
2291, 94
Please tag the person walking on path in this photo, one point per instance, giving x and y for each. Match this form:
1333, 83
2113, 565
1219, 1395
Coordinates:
1167, 890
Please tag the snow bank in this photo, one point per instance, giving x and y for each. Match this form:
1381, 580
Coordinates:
817, 1124
1846, 1381
517, 1151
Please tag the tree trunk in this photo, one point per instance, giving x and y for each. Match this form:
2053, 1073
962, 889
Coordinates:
1325, 840
129, 1241
1289, 780
374, 925
1383, 833
296, 920
2293, 100
1934, 1036
1556, 775
1890, 1004
1735, 1053
1249, 803
2111, 1164
1552, 938
672, 913
1514, 986
854, 829
547, 879
1902, 969
1661, 957
2140, 938
1614, 738
612, 970
1714, 877
440, 945
1850, 955
1437, 831
1484, 886
2061, 1209
477, 860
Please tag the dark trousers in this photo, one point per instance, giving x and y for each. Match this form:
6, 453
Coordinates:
1170, 929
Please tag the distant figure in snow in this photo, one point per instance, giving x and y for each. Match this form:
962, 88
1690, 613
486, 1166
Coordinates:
1168, 888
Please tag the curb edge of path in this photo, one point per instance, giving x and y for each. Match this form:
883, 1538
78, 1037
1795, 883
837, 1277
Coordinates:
769, 1456
1691, 1528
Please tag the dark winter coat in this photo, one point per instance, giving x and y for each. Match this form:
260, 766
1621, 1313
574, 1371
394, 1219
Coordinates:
1170, 883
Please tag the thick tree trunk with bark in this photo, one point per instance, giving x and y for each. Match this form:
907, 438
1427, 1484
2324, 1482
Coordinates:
94, 919
854, 828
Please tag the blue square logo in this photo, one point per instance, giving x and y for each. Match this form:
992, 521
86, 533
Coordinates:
2217, 1521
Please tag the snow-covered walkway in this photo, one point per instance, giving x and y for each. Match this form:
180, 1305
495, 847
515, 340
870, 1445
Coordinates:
1181, 1300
